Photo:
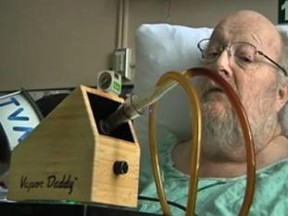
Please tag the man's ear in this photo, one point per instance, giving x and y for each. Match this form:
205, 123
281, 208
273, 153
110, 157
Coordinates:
282, 96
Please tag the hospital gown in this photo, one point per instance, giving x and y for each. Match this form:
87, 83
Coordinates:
218, 196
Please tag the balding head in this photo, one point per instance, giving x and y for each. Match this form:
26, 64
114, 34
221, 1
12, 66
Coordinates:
252, 27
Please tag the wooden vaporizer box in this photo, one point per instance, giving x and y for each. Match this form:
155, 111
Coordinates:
67, 158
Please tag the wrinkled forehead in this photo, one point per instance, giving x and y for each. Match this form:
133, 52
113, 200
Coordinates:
256, 30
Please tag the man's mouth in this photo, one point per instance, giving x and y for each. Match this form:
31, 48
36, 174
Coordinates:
213, 90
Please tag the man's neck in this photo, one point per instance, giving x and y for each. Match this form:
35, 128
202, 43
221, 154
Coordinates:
275, 150
217, 169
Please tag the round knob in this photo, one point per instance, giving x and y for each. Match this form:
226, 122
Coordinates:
120, 167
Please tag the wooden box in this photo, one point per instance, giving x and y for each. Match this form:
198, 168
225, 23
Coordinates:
67, 158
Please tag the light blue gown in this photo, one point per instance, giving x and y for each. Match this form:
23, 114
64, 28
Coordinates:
217, 196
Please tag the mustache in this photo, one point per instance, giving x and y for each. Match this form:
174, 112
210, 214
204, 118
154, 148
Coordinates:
211, 87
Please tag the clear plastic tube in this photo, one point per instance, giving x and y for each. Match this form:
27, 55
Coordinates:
248, 138
195, 143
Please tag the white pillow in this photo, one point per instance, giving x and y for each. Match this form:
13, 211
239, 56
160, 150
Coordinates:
161, 48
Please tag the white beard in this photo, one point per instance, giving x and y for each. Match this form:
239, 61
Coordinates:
222, 136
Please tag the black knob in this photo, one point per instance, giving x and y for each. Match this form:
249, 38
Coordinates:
120, 167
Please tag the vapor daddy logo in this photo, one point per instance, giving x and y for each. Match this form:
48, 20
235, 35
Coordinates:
66, 182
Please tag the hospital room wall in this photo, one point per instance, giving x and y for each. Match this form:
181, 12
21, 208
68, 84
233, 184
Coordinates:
195, 13
64, 43
55, 43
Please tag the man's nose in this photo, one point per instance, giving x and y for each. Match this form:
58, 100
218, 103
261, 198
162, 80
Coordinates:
223, 64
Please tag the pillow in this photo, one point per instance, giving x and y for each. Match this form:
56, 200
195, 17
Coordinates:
161, 48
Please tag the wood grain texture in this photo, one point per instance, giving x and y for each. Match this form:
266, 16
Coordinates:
66, 158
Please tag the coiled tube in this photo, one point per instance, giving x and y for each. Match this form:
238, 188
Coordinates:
196, 142
249, 143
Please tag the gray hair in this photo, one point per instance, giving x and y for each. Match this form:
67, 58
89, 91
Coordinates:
283, 80
283, 60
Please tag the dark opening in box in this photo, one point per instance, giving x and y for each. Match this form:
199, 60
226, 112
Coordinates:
102, 108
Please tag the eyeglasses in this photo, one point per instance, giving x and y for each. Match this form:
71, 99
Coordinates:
245, 54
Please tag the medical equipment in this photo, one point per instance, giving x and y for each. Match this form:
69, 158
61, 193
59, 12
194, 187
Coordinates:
109, 81
72, 160
79, 163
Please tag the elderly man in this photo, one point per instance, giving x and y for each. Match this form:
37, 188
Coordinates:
250, 54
